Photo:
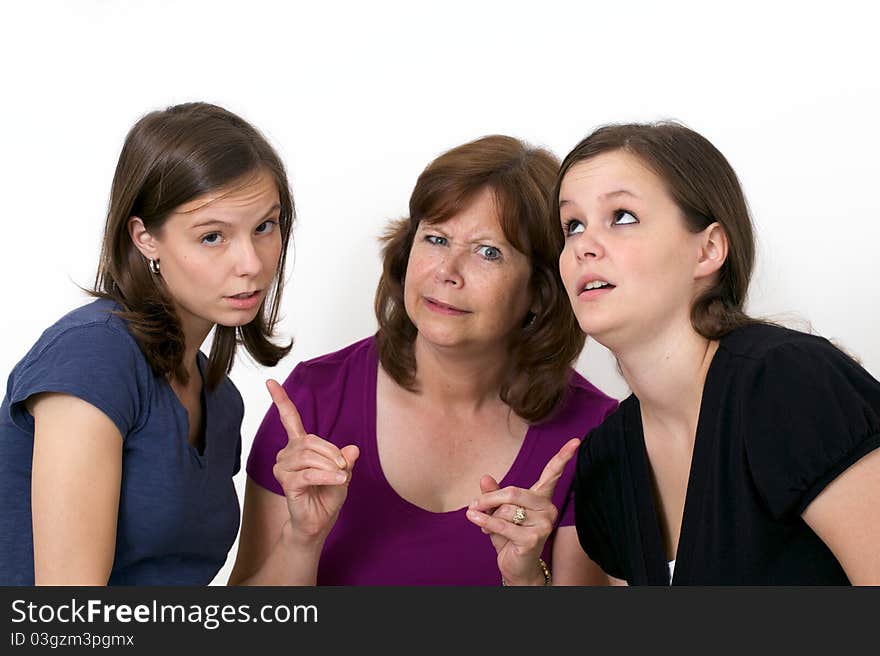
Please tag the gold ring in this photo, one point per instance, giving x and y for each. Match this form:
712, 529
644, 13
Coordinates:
519, 516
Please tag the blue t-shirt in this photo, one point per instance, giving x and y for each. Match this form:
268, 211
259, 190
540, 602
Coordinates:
178, 509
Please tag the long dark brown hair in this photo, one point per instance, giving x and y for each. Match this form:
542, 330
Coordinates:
521, 178
704, 186
169, 158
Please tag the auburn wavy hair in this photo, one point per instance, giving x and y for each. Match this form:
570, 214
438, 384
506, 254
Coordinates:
521, 177
169, 158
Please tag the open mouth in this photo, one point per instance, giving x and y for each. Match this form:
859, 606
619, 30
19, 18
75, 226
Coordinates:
595, 288
245, 295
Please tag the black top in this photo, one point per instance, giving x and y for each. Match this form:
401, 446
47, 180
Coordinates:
782, 414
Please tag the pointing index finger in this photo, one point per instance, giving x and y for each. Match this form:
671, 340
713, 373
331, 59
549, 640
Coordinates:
546, 484
286, 410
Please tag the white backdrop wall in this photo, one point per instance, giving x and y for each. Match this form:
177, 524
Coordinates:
359, 97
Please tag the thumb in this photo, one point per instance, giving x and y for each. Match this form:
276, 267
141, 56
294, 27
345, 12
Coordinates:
488, 484
351, 453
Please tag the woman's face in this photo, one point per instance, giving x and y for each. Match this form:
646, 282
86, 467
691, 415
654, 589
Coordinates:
218, 253
466, 286
629, 262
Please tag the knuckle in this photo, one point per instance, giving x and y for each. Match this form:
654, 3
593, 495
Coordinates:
531, 541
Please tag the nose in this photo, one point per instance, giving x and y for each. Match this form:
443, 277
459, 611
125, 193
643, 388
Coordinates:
588, 245
448, 270
247, 259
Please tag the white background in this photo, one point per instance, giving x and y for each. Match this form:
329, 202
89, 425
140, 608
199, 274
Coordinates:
359, 97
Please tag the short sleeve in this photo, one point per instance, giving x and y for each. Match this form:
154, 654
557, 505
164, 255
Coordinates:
592, 482
271, 436
811, 412
94, 362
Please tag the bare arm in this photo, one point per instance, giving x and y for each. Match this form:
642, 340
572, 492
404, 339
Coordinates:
282, 536
571, 566
845, 516
77, 469
267, 553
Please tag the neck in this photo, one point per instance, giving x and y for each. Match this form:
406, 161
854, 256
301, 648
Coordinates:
667, 372
449, 376
195, 331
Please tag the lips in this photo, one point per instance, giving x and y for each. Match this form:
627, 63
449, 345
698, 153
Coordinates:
245, 300
591, 285
244, 295
443, 308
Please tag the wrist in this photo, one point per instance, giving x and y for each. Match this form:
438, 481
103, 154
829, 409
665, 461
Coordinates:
309, 544
540, 577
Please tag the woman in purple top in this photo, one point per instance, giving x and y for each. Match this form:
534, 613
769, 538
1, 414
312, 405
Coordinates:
370, 475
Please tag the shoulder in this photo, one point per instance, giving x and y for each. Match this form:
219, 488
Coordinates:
583, 407
91, 335
338, 364
94, 321
778, 363
806, 409
89, 354
760, 342
332, 385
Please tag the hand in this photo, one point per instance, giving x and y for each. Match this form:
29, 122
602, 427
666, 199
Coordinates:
313, 473
519, 546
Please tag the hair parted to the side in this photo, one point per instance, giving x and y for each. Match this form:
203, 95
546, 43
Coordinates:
706, 189
170, 157
521, 177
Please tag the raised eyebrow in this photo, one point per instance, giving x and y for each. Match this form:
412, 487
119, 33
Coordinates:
271, 211
488, 240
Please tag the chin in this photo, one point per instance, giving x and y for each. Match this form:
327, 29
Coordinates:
236, 320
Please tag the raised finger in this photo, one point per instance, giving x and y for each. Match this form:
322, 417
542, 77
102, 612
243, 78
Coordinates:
286, 410
546, 484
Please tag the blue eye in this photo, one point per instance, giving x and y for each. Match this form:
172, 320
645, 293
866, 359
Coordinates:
491, 253
573, 227
436, 240
212, 239
622, 217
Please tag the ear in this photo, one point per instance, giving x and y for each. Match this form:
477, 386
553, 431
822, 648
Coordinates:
713, 251
142, 240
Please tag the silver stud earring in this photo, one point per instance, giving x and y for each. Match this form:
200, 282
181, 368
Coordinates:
154, 266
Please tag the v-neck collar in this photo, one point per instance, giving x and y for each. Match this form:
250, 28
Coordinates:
370, 449
653, 556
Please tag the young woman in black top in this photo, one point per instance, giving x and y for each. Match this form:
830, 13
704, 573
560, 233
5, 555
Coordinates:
747, 453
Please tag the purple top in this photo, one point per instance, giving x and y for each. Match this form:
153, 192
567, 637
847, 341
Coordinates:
379, 538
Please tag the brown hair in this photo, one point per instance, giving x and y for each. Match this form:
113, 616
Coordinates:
169, 158
521, 178
705, 187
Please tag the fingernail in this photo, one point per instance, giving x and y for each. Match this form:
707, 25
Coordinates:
341, 476
341, 462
